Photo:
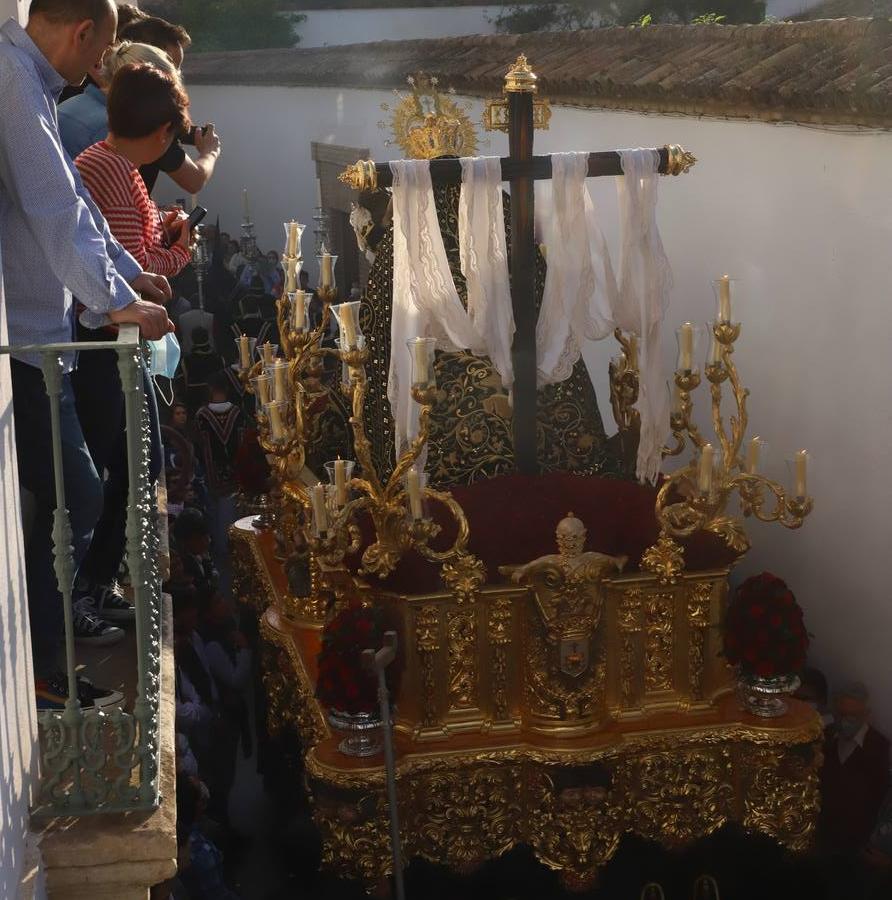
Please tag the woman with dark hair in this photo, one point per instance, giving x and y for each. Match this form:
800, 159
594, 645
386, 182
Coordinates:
146, 109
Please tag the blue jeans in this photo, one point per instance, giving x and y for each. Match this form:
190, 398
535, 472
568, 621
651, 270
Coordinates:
83, 497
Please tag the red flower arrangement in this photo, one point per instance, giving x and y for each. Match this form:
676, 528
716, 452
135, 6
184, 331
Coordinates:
764, 630
343, 684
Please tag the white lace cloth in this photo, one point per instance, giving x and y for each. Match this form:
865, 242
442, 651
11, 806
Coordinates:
645, 280
579, 285
425, 301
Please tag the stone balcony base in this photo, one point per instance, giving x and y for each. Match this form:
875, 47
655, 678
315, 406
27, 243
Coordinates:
120, 856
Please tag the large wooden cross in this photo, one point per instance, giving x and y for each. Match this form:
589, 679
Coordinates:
519, 113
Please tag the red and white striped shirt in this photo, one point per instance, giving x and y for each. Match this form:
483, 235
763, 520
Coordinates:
120, 193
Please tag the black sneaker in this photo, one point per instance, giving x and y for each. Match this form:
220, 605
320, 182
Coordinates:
111, 604
90, 628
52, 693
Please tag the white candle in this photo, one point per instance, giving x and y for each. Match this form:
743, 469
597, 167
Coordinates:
413, 483
801, 473
421, 360
244, 351
705, 474
280, 374
340, 470
326, 271
292, 238
715, 351
687, 347
752, 455
276, 427
261, 388
320, 514
267, 354
347, 321
725, 299
245, 204
298, 310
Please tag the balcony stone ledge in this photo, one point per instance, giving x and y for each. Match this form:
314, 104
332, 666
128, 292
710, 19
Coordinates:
120, 855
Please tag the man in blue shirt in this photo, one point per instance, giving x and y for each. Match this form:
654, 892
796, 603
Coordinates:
55, 243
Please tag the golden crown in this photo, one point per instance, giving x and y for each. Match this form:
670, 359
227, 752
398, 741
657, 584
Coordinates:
428, 124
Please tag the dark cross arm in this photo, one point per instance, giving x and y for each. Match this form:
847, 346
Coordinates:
366, 175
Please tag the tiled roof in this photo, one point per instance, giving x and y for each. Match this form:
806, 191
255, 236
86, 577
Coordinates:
835, 72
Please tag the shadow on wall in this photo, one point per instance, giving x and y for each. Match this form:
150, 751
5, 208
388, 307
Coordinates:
18, 726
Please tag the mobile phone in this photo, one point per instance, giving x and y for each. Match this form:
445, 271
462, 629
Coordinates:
191, 221
188, 137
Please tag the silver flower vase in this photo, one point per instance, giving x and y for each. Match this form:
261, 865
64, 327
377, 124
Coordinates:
362, 732
765, 696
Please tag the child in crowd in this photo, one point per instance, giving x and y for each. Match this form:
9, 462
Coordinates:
192, 542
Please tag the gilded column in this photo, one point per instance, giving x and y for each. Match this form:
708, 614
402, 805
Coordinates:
427, 643
698, 602
630, 623
499, 632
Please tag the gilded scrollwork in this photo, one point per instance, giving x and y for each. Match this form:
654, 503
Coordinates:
782, 793
464, 575
680, 796
658, 642
630, 622
427, 643
575, 830
461, 626
499, 633
463, 817
699, 597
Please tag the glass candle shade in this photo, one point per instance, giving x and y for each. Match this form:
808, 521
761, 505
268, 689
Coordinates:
293, 234
727, 296
263, 389
416, 482
714, 357
756, 455
320, 509
246, 346
292, 267
300, 310
688, 337
345, 369
278, 371
421, 351
798, 467
706, 469
339, 472
327, 263
268, 353
347, 315
275, 414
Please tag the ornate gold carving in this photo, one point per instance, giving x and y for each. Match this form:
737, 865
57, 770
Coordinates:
782, 793
427, 124
463, 817
521, 78
575, 830
565, 673
679, 796
699, 597
464, 575
362, 176
658, 642
499, 633
665, 559
462, 629
680, 161
630, 621
427, 642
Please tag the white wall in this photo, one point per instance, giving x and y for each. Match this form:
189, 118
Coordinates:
324, 27
802, 215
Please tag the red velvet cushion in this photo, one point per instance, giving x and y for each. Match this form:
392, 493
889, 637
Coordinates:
513, 518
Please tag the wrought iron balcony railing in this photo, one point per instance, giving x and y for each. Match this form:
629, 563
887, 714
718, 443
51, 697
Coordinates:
106, 760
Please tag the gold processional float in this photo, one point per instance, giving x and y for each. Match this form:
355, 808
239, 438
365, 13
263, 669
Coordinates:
560, 702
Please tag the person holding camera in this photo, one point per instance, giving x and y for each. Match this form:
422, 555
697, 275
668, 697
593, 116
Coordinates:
146, 108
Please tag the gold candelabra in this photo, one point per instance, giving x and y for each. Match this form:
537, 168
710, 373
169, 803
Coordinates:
327, 518
695, 497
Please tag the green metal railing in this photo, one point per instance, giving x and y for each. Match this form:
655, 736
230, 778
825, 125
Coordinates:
106, 760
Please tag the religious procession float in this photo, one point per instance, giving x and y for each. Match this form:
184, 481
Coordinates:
541, 606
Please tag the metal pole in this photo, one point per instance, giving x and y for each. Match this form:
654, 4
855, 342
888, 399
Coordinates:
379, 662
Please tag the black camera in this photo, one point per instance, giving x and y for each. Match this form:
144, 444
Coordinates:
188, 136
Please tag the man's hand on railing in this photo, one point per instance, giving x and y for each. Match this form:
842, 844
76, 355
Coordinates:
152, 287
151, 318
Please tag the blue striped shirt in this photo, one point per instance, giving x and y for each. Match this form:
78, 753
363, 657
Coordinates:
55, 241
